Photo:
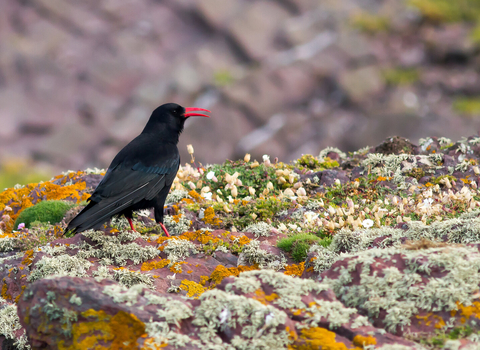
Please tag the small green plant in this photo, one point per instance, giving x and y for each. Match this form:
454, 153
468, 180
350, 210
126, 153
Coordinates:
223, 77
401, 76
45, 211
298, 245
308, 161
370, 23
467, 105
447, 10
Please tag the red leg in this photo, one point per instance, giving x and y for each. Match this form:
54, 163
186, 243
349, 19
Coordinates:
164, 229
131, 224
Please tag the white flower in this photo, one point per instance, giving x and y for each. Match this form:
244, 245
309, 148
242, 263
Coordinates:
367, 223
207, 195
266, 157
210, 175
310, 216
427, 202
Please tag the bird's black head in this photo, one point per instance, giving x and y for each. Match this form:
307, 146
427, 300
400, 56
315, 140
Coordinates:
169, 119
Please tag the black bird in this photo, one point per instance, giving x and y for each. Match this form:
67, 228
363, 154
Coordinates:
141, 174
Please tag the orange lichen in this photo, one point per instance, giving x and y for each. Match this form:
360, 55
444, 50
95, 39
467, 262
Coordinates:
5, 294
192, 288
176, 267
203, 280
150, 343
361, 340
221, 272
187, 200
425, 319
147, 266
242, 240
120, 331
471, 310
440, 322
28, 258
20, 199
209, 217
317, 338
263, 298
195, 195
294, 269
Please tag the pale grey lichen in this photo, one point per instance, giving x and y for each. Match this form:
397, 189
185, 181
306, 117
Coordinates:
52, 250
260, 229
122, 294
62, 265
179, 249
177, 228
324, 258
7, 244
75, 299
253, 254
111, 248
10, 324
402, 294
260, 324
130, 278
102, 272
176, 196
323, 153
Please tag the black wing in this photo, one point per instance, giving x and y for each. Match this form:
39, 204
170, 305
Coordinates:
132, 177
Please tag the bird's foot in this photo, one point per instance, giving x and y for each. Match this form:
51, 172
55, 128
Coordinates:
131, 225
164, 229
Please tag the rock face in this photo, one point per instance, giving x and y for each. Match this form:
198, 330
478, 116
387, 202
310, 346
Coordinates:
260, 309
307, 76
375, 248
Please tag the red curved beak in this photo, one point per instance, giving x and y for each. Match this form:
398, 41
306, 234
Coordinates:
190, 112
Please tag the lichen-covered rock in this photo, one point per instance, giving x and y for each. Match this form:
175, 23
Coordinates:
258, 310
417, 289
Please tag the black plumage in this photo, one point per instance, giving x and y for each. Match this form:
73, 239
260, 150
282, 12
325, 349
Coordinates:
141, 174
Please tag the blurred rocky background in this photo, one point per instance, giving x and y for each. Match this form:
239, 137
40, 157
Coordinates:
79, 79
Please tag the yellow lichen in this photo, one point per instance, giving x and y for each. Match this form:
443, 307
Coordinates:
192, 288
28, 258
195, 195
209, 217
296, 270
361, 340
221, 272
471, 310
317, 338
120, 331
263, 298
147, 266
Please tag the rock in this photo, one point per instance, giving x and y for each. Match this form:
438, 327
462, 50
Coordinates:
282, 310
362, 83
256, 32
424, 298
396, 145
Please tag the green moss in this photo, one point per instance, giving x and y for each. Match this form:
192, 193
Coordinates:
370, 23
308, 161
299, 245
329, 163
447, 10
223, 77
45, 211
401, 76
467, 105
416, 173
